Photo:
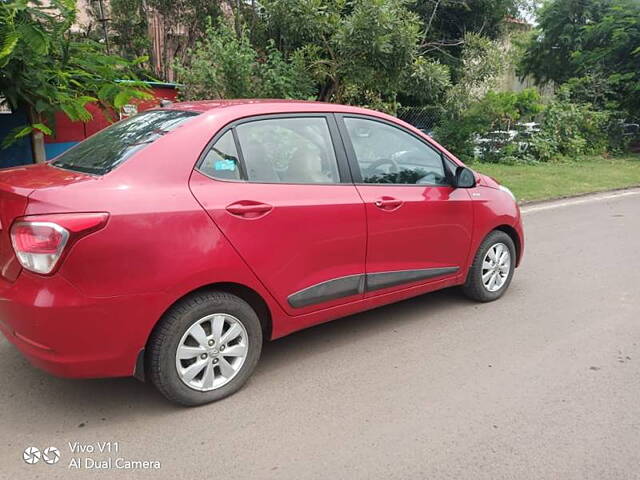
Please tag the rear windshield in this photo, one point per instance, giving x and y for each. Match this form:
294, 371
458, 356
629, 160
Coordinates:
110, 147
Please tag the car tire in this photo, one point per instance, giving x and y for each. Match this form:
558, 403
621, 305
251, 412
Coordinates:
478, 285
193, 324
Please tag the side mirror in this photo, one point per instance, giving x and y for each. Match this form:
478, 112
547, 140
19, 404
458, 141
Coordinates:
465, 178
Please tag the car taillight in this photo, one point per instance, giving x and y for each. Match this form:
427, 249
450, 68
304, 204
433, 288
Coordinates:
39, 241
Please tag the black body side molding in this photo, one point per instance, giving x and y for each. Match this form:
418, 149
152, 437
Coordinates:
355, 284
378, 281
329, 290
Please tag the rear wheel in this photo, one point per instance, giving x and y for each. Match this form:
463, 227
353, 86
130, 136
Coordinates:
205, 348
492, 268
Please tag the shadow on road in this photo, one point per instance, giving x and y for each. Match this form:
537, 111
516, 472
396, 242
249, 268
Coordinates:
106, 399
280, 353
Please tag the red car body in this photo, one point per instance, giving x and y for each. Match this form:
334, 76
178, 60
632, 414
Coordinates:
170, 230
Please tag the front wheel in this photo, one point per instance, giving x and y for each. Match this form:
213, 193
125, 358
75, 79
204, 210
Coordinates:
205, 348
492, 268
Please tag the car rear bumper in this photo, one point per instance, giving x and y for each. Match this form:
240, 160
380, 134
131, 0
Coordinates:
68, 334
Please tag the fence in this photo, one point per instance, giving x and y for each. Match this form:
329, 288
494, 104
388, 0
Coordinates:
423, 118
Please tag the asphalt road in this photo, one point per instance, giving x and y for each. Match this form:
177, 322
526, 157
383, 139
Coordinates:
544, 383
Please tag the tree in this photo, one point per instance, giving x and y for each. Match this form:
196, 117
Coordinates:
179, 24
447, 22
43, 68
594, 43
225, 65
549, 57
358, 51
611, 48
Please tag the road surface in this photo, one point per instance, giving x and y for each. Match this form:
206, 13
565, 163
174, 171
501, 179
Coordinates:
544, 383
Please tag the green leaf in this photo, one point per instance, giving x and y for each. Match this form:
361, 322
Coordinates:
122, 98
43, 128
34, 37
84, 99
16, 134
8, 44
70, 112
23, 132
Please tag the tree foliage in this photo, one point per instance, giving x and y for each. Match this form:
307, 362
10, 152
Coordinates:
355, 51
180, 24
496, 111
372, 52
226, 65
359, 51
593, 44
448, 22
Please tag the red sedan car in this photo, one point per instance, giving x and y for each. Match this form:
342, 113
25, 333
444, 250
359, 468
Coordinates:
169, 245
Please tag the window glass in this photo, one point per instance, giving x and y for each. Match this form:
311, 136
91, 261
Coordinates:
104, 151
386, 154
221, 161
288, 150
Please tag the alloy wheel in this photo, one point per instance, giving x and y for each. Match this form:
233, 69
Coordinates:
496, 267
212, 351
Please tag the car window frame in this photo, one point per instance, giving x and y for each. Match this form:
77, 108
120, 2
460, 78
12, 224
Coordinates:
202, 157
344, 172
352, 158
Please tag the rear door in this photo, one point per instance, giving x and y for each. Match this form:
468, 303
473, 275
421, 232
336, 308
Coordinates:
419, 226
279, 189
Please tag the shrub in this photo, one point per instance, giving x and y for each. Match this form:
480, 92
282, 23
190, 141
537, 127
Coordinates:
495, 114
225, 65
489, 130
570, 130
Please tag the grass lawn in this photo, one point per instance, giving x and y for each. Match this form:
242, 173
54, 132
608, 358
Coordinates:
554, 180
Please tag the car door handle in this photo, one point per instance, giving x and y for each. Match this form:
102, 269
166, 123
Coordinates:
388, 203
249, 209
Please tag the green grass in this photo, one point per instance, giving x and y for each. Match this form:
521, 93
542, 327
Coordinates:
554, 180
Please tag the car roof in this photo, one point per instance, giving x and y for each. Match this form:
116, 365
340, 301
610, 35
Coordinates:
268, 106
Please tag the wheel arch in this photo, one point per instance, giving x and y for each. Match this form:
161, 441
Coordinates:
502, 227
513, 233
249, 295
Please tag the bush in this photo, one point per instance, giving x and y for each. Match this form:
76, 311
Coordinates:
495, 114
572, 130
489, 129
226, 65
569, 130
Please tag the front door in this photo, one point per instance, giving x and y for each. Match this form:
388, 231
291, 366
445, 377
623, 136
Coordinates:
279, 191
419, 227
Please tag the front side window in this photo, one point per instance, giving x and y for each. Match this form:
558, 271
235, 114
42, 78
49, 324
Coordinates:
387, 154
104, 151
288, 150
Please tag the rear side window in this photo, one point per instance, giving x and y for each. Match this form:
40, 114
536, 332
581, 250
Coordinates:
222, 161
104, 151
276, 150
